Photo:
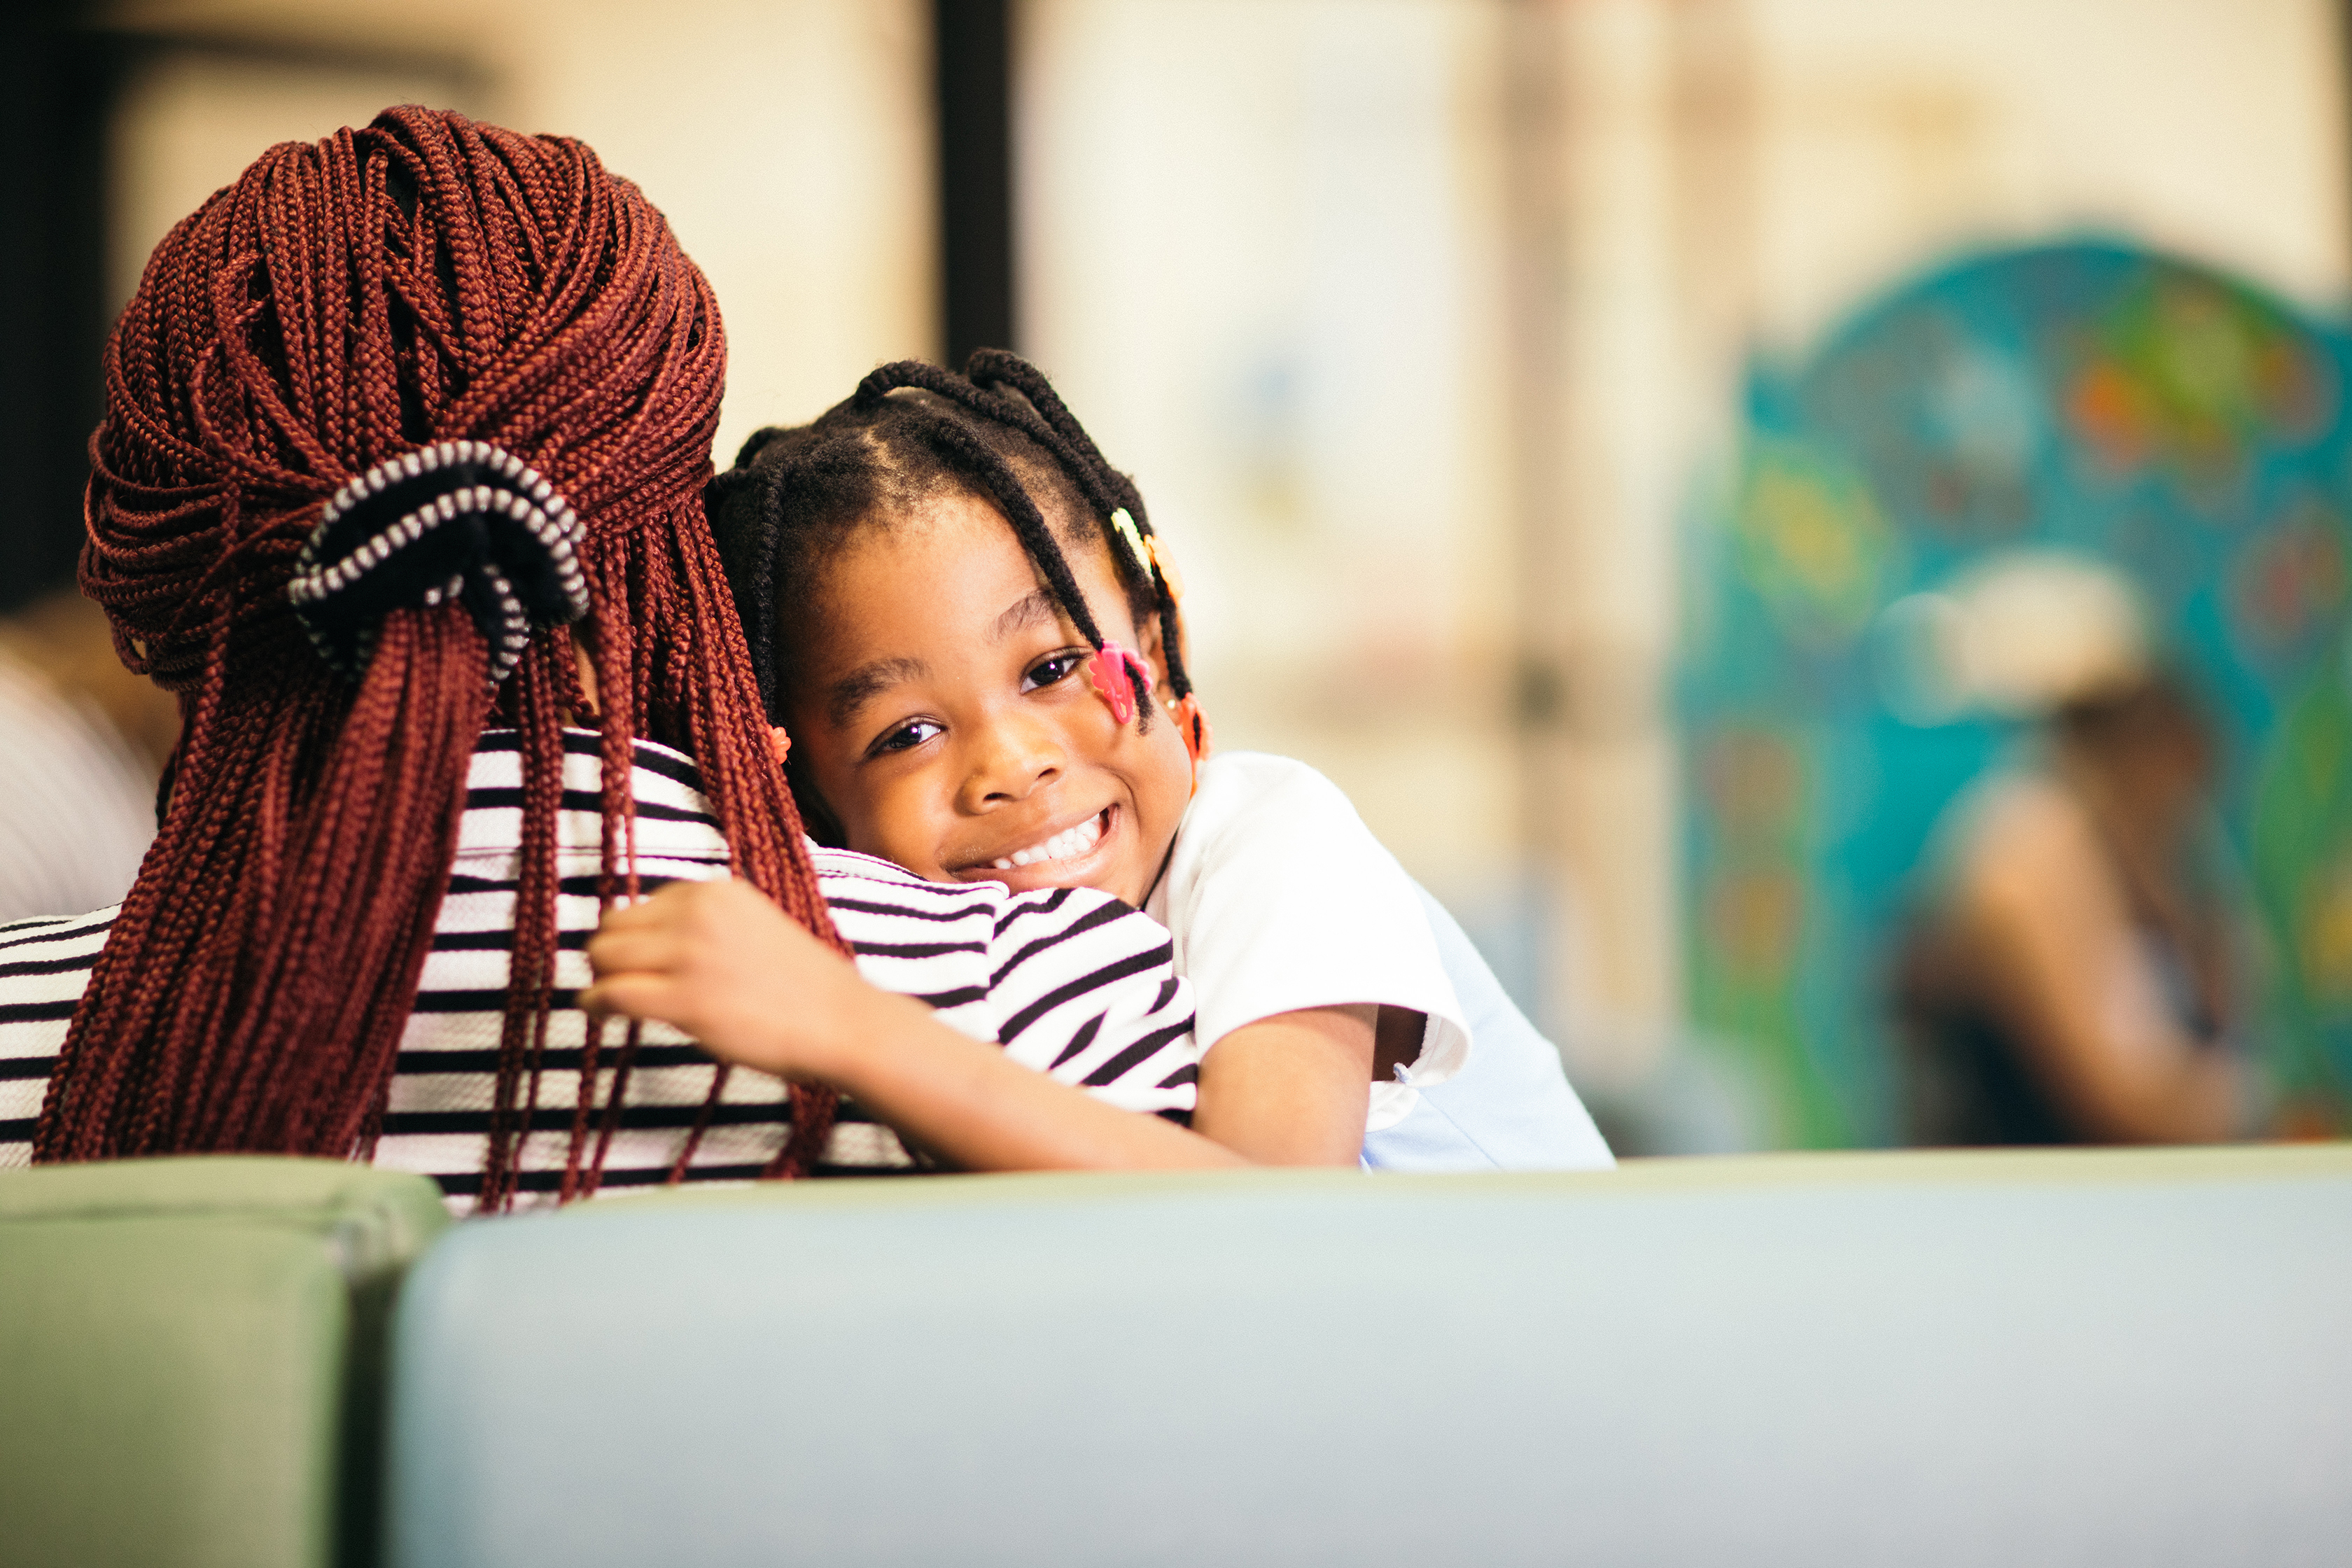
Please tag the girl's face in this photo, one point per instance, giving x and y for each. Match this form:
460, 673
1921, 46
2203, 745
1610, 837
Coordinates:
944, 713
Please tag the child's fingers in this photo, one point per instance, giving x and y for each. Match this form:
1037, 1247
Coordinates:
612, 952
634, 995
644, 914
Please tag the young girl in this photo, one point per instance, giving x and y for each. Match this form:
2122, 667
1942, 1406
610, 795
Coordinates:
958, 611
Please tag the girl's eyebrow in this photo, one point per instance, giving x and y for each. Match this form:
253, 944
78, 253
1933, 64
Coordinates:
867, 682
1036, 606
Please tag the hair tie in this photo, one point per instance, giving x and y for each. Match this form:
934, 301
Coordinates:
459, 521
1122, 522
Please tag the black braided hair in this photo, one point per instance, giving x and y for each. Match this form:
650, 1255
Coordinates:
1039, 412
912, 431
1080, 456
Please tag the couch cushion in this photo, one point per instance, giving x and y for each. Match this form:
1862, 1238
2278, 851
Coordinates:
1988, 1358
182, 1345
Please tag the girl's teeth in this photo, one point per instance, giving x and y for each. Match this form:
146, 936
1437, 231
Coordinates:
1061, 847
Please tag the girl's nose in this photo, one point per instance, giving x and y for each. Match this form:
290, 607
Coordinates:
1013, 755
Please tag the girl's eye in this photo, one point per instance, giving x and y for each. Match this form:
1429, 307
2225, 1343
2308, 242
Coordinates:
906, 737
1053, 670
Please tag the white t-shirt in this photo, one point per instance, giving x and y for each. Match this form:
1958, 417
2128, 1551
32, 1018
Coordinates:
1280, 899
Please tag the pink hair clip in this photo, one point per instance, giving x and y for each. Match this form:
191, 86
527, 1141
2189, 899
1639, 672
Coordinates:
1118, 676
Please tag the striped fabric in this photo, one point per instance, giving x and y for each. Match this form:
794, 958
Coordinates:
1070, 982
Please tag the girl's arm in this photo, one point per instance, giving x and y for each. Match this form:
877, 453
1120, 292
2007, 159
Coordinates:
1290, 1089
720, 962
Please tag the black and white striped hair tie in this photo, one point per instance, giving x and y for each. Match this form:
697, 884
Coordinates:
457, 523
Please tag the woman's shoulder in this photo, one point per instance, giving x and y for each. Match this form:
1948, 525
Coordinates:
2024, 818
860, 888
47, 931
674, 819
46, 962
48, 959
857, 881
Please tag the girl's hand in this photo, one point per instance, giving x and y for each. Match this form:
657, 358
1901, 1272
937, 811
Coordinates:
722, 962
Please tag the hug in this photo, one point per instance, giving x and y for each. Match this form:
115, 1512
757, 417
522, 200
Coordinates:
549, 826
560, 824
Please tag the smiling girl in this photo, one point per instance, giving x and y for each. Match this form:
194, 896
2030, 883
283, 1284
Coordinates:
958, 614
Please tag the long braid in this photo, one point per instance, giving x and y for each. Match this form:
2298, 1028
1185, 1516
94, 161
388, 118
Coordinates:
423, 279
531, 956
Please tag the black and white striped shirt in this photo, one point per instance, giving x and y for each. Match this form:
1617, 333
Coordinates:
1070, 982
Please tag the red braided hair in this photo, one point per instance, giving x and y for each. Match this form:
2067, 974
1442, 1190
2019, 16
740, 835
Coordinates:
424, 279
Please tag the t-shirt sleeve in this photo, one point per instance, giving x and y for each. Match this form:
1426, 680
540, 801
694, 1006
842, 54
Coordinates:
1282, 900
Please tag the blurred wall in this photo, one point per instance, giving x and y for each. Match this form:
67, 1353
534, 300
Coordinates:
1417, 320
1821, 151
1886, 133
787, 140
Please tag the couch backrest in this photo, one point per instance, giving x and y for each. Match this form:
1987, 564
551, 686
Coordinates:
1821, 1360
191, 1358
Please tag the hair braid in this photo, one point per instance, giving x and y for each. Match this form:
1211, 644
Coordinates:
1042, 409
1110, 488
1039, 413
793, 496
966, 451
423, 279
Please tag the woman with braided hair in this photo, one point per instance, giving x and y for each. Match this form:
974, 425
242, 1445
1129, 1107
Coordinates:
960, 610
399, 488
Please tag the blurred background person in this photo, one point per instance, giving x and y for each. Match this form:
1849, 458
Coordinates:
82, 744
2072, 975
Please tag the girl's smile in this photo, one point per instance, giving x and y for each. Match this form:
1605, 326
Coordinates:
1065, 846
946, 721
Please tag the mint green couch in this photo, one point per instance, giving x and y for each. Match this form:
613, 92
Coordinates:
190, 1359
1870, 1359
2059, 1358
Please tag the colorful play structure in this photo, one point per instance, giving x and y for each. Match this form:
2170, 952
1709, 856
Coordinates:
2178, 425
